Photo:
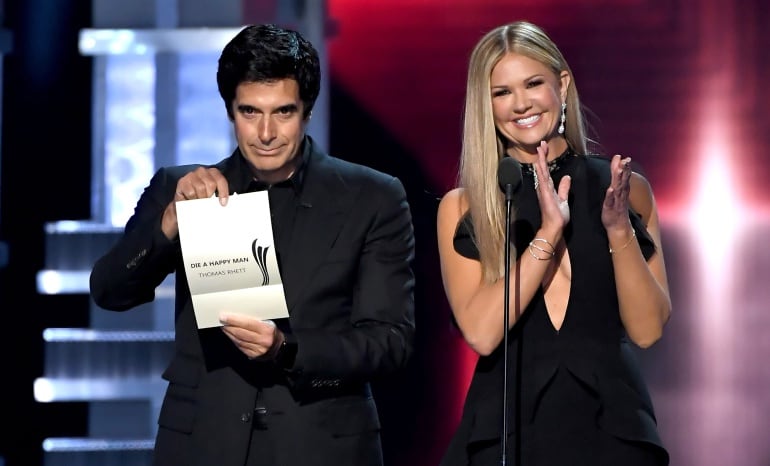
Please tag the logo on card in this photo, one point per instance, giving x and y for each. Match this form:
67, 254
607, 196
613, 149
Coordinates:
260, 255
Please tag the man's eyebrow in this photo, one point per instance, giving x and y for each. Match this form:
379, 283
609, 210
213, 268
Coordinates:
281, 108
287, 107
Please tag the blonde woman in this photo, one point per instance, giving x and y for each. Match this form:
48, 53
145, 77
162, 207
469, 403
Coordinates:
587, 277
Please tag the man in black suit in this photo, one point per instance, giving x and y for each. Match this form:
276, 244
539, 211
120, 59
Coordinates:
291, 391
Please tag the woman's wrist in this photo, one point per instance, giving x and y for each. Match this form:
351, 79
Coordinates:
620, 238
543, 245
552, 235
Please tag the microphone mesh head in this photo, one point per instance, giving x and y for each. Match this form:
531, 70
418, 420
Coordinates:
509, 173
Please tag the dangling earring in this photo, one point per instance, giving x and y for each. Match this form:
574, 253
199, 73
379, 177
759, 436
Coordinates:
563, 117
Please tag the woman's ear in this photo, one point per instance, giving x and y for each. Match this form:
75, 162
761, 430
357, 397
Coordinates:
564, 79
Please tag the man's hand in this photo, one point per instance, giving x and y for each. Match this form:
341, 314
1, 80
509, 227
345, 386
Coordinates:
257, 339
200, 183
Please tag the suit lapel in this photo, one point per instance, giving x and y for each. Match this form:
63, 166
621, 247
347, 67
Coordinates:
325, 204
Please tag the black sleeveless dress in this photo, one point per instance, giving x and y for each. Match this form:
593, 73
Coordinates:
575, 396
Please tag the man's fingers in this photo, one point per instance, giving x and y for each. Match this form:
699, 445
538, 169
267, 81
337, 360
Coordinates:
203, 183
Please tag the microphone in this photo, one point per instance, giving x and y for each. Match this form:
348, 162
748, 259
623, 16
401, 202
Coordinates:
509, 179
509, 176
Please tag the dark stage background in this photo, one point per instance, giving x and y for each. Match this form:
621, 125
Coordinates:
679, 86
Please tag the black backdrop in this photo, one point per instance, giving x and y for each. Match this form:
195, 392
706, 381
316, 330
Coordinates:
46, 159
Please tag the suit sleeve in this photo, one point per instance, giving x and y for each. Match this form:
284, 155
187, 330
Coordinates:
128, 274
380, 336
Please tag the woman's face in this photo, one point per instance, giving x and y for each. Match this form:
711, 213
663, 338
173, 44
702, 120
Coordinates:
526, 105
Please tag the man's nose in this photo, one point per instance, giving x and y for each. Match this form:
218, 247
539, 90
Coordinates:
266, 130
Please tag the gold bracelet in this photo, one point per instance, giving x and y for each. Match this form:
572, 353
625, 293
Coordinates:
633, 235
533, 245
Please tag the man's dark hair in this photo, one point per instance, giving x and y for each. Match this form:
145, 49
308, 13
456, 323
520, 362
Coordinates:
265, 53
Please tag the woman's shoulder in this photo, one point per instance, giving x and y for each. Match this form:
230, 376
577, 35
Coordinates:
453, 205
452, 210
641, 197
455, 228
454, 195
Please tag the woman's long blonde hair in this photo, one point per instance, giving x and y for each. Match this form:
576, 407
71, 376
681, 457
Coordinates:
482, 147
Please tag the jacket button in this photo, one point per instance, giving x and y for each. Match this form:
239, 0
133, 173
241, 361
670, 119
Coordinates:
245, 417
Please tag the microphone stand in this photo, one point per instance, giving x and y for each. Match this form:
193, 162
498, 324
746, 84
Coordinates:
506, 319
508, 178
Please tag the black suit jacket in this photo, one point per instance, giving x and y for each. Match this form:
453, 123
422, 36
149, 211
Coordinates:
349, 288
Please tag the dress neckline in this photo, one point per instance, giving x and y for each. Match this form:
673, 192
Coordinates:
553, 165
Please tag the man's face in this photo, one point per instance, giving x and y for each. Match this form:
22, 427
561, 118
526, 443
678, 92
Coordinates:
269, 127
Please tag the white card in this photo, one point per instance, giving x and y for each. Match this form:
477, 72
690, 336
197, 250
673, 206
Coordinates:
229, 258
